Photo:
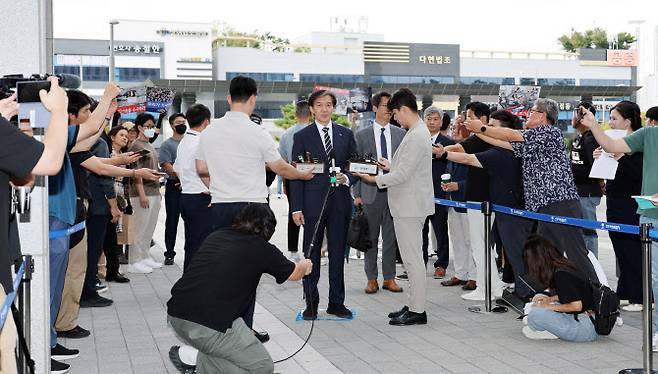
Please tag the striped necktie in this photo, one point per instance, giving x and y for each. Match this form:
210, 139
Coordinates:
327, 141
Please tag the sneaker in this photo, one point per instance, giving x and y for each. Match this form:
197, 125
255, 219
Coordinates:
59, 352
169, 261
439, 273
294, 257
632, 307
75, 333
96, 302
152, 263
57, 367
478, 295
537, 335
139, 268
624, 302
174, 356
100, 288
404, 276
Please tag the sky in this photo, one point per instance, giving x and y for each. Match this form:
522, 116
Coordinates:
474, 24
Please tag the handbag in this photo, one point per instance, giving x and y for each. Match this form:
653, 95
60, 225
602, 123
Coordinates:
358, 234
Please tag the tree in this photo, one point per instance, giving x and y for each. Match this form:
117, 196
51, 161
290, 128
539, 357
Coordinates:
288, 113
595, 38
624, 40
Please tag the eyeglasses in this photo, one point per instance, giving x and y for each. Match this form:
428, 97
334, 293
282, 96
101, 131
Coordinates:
532, 110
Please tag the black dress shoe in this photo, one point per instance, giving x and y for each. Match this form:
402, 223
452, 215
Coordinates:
169, 261
174, 356
409, 318
399, 312
262, 336
310, 313
339, 310
75, 333
116, 277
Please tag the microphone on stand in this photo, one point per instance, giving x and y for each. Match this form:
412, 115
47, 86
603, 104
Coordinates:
332, 174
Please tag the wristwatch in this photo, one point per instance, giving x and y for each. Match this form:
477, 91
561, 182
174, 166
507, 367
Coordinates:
483, 128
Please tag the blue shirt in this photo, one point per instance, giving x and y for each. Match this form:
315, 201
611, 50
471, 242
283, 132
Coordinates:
168, 151
61, 187
285, 144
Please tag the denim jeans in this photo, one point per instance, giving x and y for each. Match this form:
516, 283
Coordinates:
562, 325
589, 205
654, 261
59, 260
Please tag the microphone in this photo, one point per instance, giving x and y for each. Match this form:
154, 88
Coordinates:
332, 174
69, 80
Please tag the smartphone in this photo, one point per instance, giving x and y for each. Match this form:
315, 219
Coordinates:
31, 111
578, 113
463, 114
143, 152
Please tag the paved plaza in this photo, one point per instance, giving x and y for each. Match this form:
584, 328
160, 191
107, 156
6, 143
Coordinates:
131, 336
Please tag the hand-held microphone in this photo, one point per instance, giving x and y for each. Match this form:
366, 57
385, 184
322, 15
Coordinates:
332, 174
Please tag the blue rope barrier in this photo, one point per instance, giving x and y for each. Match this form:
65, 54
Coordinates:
68, 232
11, 296
593, 225
653, 234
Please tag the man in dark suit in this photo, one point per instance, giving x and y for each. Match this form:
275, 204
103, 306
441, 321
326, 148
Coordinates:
380, 140
324, 140
434, 119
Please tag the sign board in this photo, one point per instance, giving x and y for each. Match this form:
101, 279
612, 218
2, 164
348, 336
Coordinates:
411, 59
622, 57
145, 99
518, 99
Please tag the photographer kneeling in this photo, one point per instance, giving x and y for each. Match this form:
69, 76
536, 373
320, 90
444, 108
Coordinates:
219, 285
565, 314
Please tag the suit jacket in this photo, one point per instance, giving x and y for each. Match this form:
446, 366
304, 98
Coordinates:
410, 190
366, 143
308, 196
439, 166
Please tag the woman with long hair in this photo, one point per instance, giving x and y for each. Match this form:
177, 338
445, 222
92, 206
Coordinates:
565, 314
622, 208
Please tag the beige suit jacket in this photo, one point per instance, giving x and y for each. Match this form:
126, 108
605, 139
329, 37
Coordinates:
409, 183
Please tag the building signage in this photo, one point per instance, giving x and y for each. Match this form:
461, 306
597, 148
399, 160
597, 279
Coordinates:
146, 49
622, 57
183, 33
411, 59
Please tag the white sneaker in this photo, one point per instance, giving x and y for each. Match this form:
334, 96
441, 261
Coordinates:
478, 295
139, 268
654, 342
151, 263
624, 302
537, 335
633, 307
294, 257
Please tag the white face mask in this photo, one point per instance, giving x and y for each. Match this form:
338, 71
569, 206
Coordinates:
149, 133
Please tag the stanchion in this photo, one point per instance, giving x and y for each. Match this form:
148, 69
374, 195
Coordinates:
486, 211
24, 307
647, 356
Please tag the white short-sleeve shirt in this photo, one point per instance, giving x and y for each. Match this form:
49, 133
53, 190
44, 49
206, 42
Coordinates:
236, 150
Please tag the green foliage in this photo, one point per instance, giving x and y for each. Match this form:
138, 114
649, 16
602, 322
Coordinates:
288, 117
595, 38
229, 37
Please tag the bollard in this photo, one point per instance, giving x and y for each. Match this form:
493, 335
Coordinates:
647, 354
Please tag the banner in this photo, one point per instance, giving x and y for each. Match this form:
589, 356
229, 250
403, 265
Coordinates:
360, 100
518, 99
145, 99
342, 98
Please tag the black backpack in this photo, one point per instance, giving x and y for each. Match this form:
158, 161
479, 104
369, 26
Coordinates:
606, 305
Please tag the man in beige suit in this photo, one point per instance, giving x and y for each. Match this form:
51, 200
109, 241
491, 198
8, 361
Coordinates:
411, 200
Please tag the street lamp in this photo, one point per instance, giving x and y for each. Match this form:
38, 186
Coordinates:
112, 23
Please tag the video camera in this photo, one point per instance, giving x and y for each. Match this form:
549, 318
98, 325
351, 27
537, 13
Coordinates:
8, 82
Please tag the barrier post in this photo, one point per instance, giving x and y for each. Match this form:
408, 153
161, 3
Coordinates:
486, 211
647, 354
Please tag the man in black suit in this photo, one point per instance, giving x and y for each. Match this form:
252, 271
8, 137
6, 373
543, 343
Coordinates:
324, 140
434, 119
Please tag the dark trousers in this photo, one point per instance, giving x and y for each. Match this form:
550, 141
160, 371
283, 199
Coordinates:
172, 207
335, 222
223, 215
96, 226
513, 232
567, 239
293, 229
439, 222
628, 248
197, 218
111, 248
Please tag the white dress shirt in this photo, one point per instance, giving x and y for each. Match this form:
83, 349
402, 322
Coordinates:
185, 165
377, 130
331, 132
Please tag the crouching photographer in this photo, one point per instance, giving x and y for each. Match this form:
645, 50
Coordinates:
216, 289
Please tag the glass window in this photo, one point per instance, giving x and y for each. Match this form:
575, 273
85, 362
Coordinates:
486, 80
67, 69
605, 82
96, 73
556, 82
331, 78
135, 74
401, 79
271, 77
527, 81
